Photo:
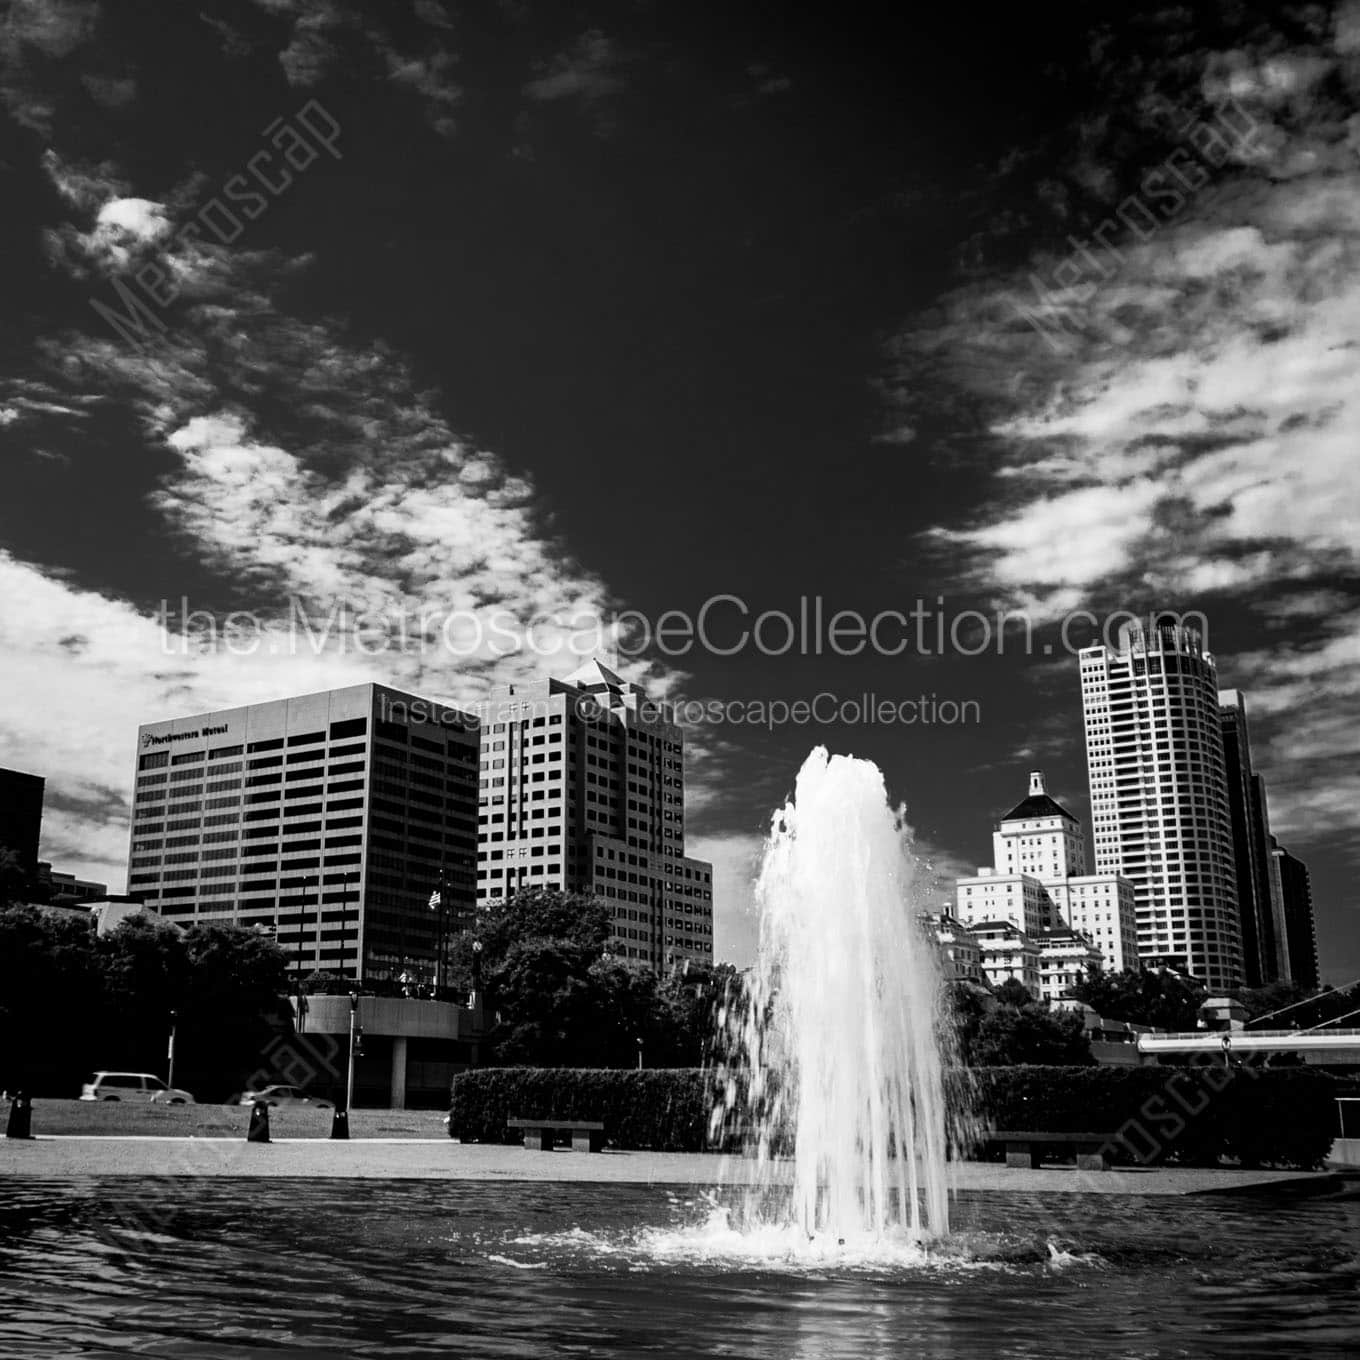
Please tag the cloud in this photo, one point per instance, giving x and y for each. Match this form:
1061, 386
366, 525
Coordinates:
589, 73
35, 33
302, 475
1188, 436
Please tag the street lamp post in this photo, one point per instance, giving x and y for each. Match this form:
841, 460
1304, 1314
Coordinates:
439, 901
170, 1054
355, 1040
301, 1000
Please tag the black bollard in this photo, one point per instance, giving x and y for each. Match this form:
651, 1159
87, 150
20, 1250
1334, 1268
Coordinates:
340, 1123
20, 1117
259, 1123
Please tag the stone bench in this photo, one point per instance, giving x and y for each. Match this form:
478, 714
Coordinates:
587, 1135
1025, 1148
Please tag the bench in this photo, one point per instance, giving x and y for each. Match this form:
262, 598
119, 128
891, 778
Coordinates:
587, 1135
1025, 1148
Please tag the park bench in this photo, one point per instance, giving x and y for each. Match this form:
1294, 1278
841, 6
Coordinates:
1026, 1148
587, 1135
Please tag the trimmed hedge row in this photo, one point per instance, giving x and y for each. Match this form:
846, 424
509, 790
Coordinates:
1195, 1116
1191, 1115
657, 1109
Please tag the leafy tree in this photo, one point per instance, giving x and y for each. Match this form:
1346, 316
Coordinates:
323, 982
71, 1003
51, 1000
13, 877
1259, 1001
1030, 1034
1013, 992
1146, 996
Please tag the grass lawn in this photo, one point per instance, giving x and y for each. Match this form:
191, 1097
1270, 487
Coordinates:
223, 1121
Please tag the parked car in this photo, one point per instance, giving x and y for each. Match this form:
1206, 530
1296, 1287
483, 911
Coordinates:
286, 1096
144, 1086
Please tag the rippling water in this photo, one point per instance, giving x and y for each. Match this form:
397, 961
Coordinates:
395, 1269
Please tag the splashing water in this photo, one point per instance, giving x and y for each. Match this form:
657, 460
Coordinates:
835, 1050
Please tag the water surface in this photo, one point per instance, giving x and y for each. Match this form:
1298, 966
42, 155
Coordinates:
209, 1268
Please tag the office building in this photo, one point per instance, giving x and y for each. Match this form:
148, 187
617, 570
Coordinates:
1265, 953
1039, 882
328, 819
583, 789
63, 888
1296, 892
1160, 806
21, 810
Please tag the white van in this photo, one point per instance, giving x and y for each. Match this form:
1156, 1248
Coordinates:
145, 1086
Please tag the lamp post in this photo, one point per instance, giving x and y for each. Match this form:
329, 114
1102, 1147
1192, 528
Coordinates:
356, 1038
439, 902
301, 1000
170, 1054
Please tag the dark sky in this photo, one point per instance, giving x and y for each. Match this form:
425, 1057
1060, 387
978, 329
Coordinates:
625, 307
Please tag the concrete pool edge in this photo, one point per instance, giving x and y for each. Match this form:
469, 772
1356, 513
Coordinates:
58, 1157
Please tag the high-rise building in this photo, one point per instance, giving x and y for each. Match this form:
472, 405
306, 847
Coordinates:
21, 810
1265, 955
328, 819
1296, 891
583, 789
1159, 795
1039, 882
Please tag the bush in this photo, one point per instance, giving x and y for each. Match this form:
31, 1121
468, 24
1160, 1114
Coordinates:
1189, 1115
662, 1110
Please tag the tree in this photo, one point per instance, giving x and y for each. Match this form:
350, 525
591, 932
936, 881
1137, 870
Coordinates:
1030, 1034
71, 1003
13, 877
51, 1000
1013, 992
1155, 997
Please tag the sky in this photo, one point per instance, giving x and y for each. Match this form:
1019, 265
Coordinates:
523, 328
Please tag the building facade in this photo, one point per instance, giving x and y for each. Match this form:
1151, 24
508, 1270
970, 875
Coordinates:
1103, 908
960, 953
1066, 957
1265, 950
583, 789
1159, 795
1008, 953
21, 810
992, 896
1039, 882
1296, 892
327, 819
1039, 837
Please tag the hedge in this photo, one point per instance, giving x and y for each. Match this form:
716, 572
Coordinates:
1191, 1115
1194, 1115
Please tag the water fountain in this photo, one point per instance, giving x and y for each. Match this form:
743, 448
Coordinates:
835, 1050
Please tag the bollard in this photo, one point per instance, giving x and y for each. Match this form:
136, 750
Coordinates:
259, 1123
340, 1123
20, 1116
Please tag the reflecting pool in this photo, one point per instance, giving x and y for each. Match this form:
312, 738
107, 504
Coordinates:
212, 1268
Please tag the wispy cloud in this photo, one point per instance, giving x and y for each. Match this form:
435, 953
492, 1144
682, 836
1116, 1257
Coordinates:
1196, 442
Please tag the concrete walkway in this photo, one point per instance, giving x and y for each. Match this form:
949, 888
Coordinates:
63, 1157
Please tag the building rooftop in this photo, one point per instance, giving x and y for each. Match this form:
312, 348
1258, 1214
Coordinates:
1037, 804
